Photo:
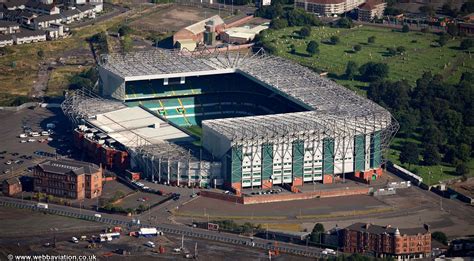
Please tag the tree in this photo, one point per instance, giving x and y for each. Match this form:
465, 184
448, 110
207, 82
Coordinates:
318, 229
269, 47
452, 29
312, 48
427, 10
334, 39
391, 51
401, 49
440, 237
351, 70
305, 31
443, 39
405, 28
371, 39
431, 155
448, 9
278, 23
409, 153
462, 169
124, 30
357, 48
344, 22
372, 71
467, 7
40, 54
466, 44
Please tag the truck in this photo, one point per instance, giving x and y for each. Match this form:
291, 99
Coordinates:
42, 205
113, 235
150, 244
149, 232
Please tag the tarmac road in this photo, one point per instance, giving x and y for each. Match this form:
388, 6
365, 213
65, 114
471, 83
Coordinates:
168, 228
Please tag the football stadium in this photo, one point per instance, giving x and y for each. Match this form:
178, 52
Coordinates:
242, 120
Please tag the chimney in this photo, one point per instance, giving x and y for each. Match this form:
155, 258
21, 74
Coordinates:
427, 227
367, 225
388, 226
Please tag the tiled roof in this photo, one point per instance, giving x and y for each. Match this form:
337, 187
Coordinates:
68, 167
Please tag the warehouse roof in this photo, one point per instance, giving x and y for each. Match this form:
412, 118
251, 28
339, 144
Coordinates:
199, 27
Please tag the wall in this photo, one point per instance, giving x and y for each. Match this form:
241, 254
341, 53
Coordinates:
285, 197
20, 107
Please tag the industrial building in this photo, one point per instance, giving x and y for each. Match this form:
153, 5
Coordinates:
264, 120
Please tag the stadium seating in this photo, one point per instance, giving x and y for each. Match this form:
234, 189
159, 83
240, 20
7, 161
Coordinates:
209, 97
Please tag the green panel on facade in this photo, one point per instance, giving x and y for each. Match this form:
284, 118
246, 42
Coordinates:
236, 169
359, 153
298, 158
267, 161
375, 150
328, 156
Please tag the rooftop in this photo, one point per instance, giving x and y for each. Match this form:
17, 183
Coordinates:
134, 126
4, 23
68, 167
199, 27
333, 109
376, 229
29, 33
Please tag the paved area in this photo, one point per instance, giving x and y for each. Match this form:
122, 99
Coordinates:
36, 119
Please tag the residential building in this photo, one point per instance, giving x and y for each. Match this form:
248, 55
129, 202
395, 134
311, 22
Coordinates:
44, 21
384, 241
9, 27
11, 187
14, 5
370, 10
20, 16
6, 40
28, 36
70, 16
87, 11
40, 8
66, 178
54, 31
328, 7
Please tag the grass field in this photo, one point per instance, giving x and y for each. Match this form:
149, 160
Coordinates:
418, 58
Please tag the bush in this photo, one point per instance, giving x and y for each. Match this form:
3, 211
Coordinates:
391, 51
440, 237
357, 48
345, 22
372, 71
462, 169
305, 31
312, 48
443, 39
334, 39
278, 23
401, 49
405, 28
351, 70
466, 44
124, 30
371, 39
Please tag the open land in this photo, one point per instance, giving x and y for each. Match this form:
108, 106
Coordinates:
419, 57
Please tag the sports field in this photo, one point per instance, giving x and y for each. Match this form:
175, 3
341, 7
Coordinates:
418, 58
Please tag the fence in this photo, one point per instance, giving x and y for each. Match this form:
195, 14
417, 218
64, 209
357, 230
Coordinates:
19, 107
385, 192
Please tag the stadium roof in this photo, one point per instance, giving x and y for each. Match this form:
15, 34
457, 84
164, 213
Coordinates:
332, 108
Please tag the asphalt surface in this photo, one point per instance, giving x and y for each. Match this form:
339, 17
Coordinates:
168, 228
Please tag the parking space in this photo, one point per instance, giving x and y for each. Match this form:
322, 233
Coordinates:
26, 140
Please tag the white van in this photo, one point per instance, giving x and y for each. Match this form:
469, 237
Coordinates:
44, 133
150, 244
23, 135
35, 134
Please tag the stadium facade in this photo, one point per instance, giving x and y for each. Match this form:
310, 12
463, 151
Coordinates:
265, 120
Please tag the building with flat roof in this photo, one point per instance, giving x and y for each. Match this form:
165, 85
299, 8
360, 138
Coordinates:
244, 34
387, 241
69, 179
328, 7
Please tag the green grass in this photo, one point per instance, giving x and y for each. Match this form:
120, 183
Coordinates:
419, 57
431, 174
196, 130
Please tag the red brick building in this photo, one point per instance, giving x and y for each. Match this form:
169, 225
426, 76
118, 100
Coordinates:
382, 241
69, 179
11, 187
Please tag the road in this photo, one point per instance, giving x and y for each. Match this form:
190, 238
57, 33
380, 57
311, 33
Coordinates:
167, 228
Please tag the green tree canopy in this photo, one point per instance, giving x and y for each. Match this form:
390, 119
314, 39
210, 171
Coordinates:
312, 48
351, 70
409, 153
